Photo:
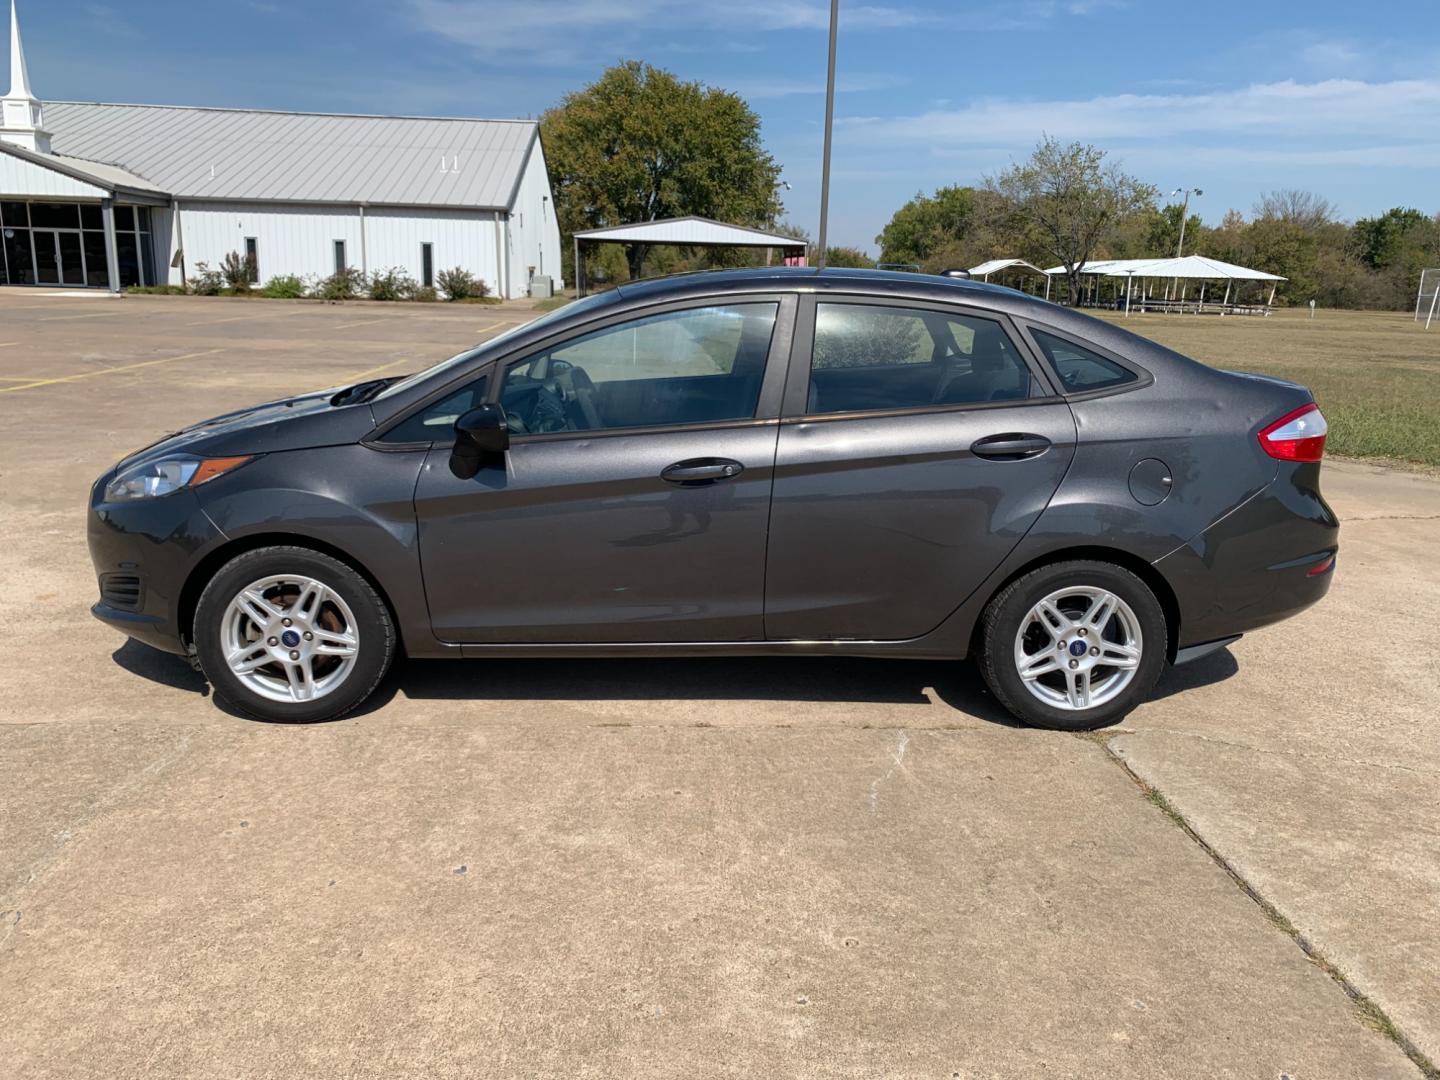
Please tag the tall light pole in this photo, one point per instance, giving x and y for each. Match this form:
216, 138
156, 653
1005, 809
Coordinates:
1184, 213
829, 123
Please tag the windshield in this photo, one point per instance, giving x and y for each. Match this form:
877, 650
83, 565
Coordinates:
578, 307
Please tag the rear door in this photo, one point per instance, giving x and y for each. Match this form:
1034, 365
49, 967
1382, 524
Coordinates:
632, 504
919, 444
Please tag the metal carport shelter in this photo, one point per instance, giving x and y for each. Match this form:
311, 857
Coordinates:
686, 232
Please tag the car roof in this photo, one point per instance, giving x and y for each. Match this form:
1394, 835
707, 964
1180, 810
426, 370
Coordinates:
886, 282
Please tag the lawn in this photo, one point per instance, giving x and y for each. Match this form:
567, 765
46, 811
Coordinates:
1375, 374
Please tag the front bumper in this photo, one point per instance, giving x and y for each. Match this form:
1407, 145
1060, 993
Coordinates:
144, 552
1263, 562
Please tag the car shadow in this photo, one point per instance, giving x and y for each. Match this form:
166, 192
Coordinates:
780, 679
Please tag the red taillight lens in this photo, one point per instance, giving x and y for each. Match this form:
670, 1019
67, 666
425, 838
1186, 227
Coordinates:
1296, 436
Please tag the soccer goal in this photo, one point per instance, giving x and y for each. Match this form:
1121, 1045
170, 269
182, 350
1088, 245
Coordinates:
1427, 303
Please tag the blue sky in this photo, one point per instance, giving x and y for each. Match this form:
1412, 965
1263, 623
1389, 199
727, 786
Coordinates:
1235, 98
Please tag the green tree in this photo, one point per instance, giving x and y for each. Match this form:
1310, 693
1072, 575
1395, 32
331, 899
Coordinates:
1067, 197
1163, 232
844, 257
925, 225
639, 144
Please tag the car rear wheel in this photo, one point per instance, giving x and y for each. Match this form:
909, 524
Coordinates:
1073, 646
286, 633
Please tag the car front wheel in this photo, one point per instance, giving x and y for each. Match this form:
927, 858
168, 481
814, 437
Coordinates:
1073, 646
286, 633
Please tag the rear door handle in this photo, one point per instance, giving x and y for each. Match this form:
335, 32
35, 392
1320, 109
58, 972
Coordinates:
1010, 447
701, 470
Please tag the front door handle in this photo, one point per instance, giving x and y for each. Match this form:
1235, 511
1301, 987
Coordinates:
701, 470
1010, 447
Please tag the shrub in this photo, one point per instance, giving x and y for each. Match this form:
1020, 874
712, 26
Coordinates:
238, 271
424, 294
344, 284
206, 282
460, 284
157, 290
284, 287
392, 284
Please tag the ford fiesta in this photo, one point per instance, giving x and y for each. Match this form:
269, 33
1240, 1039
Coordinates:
741, 463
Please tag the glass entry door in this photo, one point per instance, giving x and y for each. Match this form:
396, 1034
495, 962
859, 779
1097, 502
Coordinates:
59, 259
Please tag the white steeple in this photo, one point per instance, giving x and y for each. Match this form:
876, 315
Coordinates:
22, 119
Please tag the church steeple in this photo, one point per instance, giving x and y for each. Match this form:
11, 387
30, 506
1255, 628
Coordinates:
22, 119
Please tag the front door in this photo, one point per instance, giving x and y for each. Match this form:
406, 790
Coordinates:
919, 449
632, 504
58, 258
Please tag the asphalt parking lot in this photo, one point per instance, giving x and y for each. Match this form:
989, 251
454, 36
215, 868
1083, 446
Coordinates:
705, 868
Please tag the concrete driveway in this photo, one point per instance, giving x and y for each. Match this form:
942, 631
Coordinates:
704, 868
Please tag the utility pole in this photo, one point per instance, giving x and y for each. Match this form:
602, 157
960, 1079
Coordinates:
829, 123
1184, 214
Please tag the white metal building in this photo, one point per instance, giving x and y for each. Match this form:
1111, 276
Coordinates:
117, 195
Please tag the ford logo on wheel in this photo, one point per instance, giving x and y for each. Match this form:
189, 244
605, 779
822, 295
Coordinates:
290, 638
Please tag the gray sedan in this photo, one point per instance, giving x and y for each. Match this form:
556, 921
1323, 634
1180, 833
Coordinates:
740, 463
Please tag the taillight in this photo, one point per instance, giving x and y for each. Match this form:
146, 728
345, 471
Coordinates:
1296, 436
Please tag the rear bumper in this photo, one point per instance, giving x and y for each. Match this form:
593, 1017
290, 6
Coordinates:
1263, 562
148, 549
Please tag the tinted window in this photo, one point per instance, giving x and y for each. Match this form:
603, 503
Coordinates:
1079, 368
867, 358
436, 422
682, 367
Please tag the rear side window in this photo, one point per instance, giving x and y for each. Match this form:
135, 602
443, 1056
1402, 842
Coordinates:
1081, 370
869, 357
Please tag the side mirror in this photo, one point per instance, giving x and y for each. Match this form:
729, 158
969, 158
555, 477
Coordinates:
481, 431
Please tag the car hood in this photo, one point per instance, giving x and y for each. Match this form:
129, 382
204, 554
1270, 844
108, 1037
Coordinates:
295, 423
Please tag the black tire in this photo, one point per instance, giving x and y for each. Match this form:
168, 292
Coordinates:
1010, 608
374, 628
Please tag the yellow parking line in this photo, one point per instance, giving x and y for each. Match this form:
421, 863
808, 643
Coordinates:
362, 322
106, 371
212, 322
91, 315
7, 344
492, 326
367, 372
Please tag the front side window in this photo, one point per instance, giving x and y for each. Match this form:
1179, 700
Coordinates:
436, 421
868, 358
1080, 369
683, 367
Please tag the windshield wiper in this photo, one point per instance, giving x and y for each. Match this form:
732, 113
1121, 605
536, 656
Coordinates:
363, 391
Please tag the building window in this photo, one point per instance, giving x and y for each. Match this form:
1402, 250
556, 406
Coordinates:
340, 263
252, 259
427, 265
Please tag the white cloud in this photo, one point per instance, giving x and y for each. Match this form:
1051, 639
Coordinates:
1398, 110
579, 29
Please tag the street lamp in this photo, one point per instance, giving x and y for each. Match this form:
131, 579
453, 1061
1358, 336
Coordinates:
829, 124
1184, 213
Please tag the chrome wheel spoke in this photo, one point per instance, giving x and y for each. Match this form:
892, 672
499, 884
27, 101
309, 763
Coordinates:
1101, 610
331, 643
1077, 687
311, 597
1033, 666
245, 660
1113, 654
301, 679
1051, 617
260, 610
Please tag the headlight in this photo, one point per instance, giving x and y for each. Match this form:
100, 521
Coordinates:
168, 475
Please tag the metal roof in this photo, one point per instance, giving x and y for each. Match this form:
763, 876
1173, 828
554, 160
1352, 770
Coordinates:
205, 153
95, 172
1196, 267
994, 266
691, 231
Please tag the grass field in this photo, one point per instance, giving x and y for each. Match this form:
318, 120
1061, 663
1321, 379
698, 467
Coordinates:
1375, 374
